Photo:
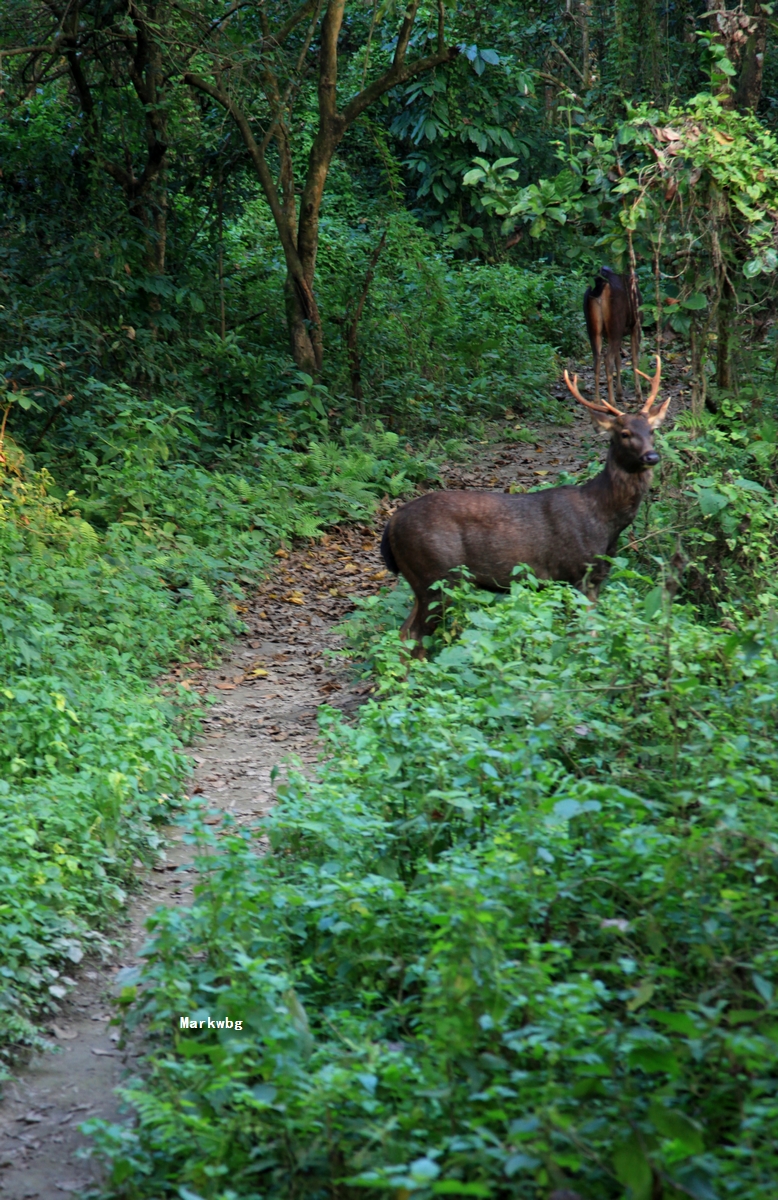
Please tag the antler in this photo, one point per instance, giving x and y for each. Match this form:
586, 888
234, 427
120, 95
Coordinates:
605, 407
654, 381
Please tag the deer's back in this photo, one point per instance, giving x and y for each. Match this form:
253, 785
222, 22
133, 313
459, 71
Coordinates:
556, 532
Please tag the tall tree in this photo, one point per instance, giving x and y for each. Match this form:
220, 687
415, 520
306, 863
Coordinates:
292, 46
106, 48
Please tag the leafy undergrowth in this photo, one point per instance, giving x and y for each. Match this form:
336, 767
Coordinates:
521, 933
90, 756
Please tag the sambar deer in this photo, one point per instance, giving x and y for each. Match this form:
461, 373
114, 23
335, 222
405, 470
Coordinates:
612, 309
564, 533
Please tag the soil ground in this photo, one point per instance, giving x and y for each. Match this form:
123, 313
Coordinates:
268, 688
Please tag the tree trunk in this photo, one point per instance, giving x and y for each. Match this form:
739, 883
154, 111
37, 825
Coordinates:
749, 84
698, 384
649, 47
220, 219
304, 325
724, 328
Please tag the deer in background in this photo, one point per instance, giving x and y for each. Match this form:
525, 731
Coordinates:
611, 309
563, 533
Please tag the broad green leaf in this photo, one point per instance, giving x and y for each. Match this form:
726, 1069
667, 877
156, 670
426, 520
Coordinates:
653, 602
654, 1061
711, 502
633, 1169
641, 996
679, 1022
763, 986
672, 1123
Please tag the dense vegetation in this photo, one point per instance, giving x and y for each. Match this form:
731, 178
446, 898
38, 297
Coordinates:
260, 265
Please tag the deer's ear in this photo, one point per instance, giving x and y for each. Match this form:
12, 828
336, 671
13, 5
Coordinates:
604, 421
655, 419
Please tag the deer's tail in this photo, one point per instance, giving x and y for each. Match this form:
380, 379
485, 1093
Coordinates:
386, 552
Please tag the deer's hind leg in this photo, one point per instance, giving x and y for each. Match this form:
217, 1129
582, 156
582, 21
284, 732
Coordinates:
419, 623
635, 348
613, 370
597, 366
594, 326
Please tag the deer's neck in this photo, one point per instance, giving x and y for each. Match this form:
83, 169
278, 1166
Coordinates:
617, 494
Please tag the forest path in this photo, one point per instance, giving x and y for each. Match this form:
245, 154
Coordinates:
268, 688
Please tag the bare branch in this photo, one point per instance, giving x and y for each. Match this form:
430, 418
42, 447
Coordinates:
328, 60
291, 24
404, 36
257, 156
569, 61
51, 49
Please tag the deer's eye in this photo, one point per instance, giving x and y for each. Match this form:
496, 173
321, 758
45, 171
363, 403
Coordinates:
626, 434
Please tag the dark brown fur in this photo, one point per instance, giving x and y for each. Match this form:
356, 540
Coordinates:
562, 533
610, 314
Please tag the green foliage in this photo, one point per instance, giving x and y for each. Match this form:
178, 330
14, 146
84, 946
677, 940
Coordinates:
520, 933
90, 755
717, 502
691, 189
89, 760
691, 168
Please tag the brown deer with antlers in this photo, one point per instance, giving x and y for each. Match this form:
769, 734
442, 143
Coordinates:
611, 310
565, 533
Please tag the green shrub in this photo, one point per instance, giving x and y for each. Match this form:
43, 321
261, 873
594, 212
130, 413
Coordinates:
90, 757
520, 933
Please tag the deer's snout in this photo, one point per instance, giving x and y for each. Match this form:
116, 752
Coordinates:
651, 458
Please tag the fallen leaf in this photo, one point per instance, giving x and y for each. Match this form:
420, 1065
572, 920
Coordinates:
65, 1035
350, 569
282, 553
540, 472
226, 687
724, 139
31, 1118
238, 678
258, 672
102, 1053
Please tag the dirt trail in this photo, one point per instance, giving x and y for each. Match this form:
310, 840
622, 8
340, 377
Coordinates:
269, 688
